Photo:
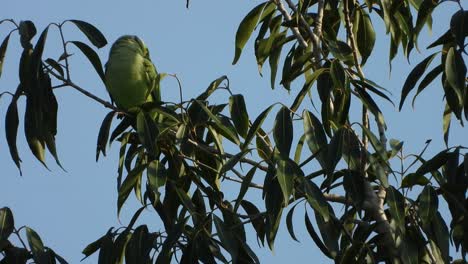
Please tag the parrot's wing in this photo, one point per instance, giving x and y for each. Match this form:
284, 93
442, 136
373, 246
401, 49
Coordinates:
152, 80
105, 83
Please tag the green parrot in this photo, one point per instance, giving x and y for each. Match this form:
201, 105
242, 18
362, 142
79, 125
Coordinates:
131, 77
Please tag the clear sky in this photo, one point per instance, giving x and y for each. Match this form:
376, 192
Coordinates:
71, 209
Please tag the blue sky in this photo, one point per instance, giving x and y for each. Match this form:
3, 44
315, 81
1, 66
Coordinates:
70, 209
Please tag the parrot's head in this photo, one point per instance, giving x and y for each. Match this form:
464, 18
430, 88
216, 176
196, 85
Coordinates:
130, 43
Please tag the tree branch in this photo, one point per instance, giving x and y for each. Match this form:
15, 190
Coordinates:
83, 91
312, 34
374, 202
288, 18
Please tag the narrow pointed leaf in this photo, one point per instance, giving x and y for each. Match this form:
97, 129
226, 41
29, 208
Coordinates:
92, 57
244, 187
3, 49
289, 222
413, 78
103, 135
455, 71
91, 32
315, 236
428, 205
396, 204
248, 24
255, 127
11, 132
283, 131
128, 185
239, 114
7, 223
315, 137
428, 80
286, 173
228, 132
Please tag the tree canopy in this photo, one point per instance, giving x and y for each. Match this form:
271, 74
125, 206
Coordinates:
366, 200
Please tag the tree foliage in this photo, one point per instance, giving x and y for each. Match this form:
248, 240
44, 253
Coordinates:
175, 161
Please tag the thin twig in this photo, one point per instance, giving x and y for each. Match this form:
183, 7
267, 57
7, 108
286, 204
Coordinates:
312, 35
16, 232
83, 91
64, 44
374, 202
288, 18
253, 185
211, 150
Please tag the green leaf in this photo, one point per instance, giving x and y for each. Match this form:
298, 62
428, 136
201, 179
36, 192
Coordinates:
244, 186
106, 249
315, 137
315, 237
316, 199
34, 241
424, 14
274, 207
56, 66
341, 50
435, 163
446, 38
239, 114
298, 152
91, 32
185, 199
212, 87
96, 245
11, 131
455, 70
338, 74
335, 151
228, 132
351, 150
103, 135
286, 173
365, 34
139, 246
255, 127
428, 79
396, 204
370, 104
92, 57
264, 146
3, 49
128, 184
27, 31
353, 183
273, 61
248, 24
7, 223
258, 223
446, 119
413, 78
413, 179
330, 232
376, 144
156, 174
227, 238
147, 132
306, 88
428, 205
459, 27
33, 128
283, 131
370, 87
289, 222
